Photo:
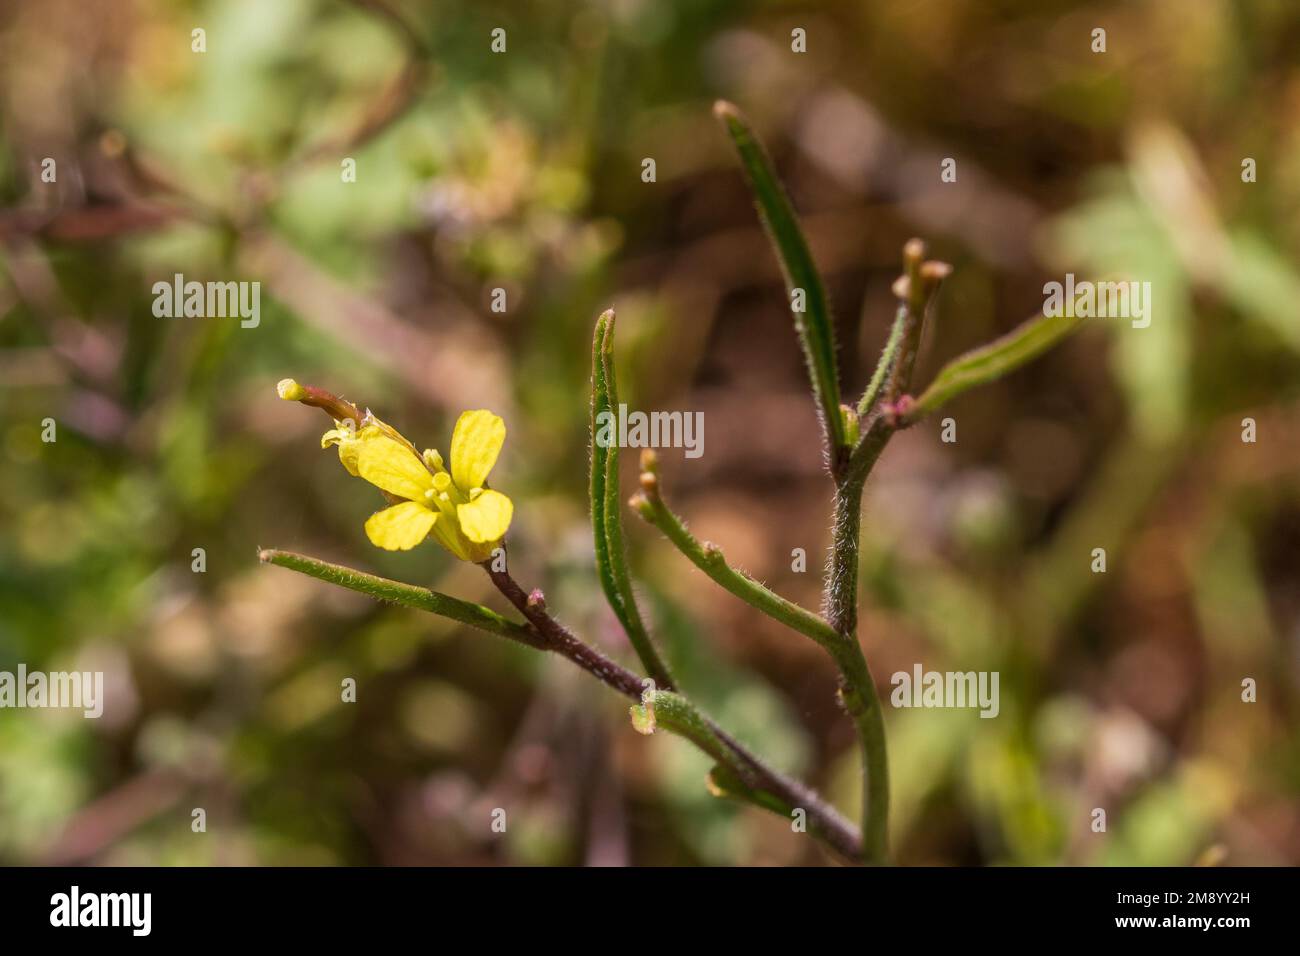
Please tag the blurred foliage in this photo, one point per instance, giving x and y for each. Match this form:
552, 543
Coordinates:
521, 171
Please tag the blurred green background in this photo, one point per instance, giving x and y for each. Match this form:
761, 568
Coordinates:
522, 170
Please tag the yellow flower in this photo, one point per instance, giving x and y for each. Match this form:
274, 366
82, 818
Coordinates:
344, 434
465, 517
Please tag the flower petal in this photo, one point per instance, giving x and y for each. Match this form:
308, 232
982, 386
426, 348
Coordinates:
475, 444
486, 518
334, 436
346, 439
448, 535
401, 527
348, 451
392, 466
345, 435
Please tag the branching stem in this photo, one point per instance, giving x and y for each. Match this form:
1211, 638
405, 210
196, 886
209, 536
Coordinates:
739, 774
681, 716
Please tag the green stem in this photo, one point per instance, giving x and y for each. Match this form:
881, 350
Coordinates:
886, 364
741, 775
858, 689
837, 632
893, 376
408, 595
709, 559
762, 785
864, 707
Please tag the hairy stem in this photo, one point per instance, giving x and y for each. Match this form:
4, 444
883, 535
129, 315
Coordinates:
741, 775
558, 638
709, 558
857, 688
681, 716
836, 631
884, 404
886, 364
748, 778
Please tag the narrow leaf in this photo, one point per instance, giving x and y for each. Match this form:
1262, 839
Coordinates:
813, 324
992, 361
408, 595
599, 458
606, 507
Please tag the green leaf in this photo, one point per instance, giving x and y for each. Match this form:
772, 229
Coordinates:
992, 361
814, 326
606, 507
408, 595
599, 457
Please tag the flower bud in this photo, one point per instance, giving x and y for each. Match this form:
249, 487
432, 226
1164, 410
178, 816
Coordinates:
641, 505
290, 390
643, 717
